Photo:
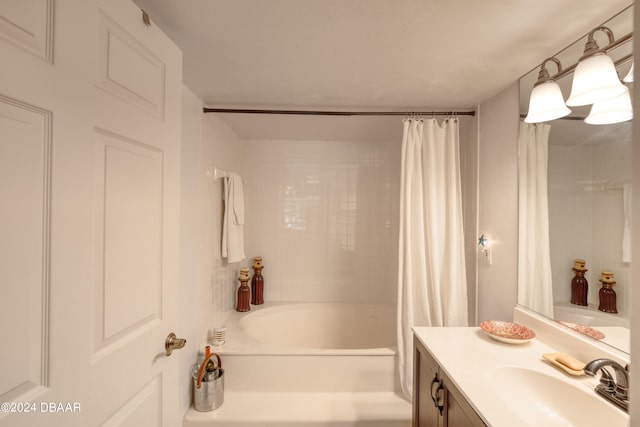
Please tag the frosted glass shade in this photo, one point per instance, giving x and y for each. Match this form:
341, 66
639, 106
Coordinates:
614, 110
546, 103
595, 79
629, 77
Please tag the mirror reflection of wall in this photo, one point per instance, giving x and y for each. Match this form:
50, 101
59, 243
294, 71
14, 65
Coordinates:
589, 167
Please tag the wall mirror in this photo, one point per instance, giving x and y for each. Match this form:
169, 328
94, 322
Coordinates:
588, 198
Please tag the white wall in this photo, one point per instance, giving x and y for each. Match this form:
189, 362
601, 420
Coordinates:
469, 181
192, 311
498, 204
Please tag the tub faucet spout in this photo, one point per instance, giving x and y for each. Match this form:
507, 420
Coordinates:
618, 392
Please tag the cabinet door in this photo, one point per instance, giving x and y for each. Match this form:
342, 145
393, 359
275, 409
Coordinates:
426, 380
458, 412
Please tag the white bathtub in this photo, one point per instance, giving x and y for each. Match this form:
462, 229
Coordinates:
304, 364
335, 326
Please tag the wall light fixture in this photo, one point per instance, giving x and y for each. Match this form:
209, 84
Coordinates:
629, 77
614, 110
595, 78
546, 101
595, 82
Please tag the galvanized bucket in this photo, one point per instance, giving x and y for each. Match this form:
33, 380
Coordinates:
210, 393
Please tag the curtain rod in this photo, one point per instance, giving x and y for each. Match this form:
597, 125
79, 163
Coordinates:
340, 113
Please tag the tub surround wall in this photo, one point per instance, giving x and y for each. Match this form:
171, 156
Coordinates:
222, 148
498, 204
324, 215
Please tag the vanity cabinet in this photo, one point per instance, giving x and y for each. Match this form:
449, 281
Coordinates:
436, 401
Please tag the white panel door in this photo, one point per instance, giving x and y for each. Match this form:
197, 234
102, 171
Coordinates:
90, 111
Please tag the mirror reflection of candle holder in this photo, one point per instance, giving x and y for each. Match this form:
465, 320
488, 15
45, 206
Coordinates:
607, 294
579, 284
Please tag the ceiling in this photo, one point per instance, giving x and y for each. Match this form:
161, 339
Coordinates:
401, 55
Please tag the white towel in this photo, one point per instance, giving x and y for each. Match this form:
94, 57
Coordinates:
626, 233
233, 221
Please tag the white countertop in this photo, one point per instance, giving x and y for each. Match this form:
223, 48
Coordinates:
468, 357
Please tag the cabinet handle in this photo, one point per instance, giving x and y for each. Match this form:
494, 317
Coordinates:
436, 396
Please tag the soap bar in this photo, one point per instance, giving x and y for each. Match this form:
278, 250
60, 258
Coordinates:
570, 362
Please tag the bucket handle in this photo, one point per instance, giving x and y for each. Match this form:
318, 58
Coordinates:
204, 364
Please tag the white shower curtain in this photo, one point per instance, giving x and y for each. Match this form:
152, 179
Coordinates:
432, 285
534, 261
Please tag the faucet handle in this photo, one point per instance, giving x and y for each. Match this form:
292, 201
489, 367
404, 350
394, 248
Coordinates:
606, 380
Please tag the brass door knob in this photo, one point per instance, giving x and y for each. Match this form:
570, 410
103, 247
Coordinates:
173, 343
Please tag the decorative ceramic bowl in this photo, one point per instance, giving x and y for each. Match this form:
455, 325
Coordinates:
588, 331
510, 333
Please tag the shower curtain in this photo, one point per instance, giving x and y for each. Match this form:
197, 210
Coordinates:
432, 285
534, 260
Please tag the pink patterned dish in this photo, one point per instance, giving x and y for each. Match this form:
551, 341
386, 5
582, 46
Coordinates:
510, 333
588, 331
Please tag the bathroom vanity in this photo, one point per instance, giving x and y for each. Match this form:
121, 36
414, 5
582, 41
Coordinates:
464, 378
437, 401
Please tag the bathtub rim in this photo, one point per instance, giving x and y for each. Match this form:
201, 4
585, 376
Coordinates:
591, 311
239, 343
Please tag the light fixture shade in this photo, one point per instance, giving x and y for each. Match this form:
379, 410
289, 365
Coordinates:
629, 77
595, 79
614, 110
546, 103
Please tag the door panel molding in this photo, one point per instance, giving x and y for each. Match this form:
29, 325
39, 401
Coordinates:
143, 408
128, 218
25, 183
128, 70
33, 32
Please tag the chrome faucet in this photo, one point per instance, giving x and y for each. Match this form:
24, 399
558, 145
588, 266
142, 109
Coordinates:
615, 391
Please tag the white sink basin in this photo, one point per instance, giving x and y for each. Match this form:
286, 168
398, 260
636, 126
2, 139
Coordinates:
542, 400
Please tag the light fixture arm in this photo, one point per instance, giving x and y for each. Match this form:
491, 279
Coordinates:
591, 47
543, 74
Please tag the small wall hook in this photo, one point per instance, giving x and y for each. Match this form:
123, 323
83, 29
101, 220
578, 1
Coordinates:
145, 18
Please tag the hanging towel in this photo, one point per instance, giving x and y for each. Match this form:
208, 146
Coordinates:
626, 233
233, 221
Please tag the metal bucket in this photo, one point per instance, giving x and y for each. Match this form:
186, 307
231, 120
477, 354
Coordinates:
210, 395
